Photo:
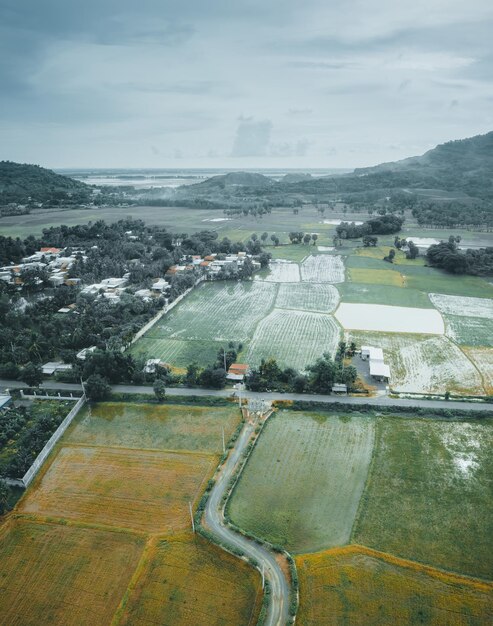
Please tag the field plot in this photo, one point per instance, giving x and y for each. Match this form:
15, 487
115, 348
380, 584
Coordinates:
470, 331
431, 280
177, 352
322, 268
218, 312
294, 338
171, 427
468, 307
303, 482
190, 581
428, 497
383, 294
64, 575
421, 364
322, 298
391, 319
354, 586
483, 359
139, 489
282, 271
376, 277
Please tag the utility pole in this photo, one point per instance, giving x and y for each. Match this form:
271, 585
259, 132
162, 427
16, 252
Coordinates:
191, 516
263, 575
224, 446
83, 388
224, 356
239, 394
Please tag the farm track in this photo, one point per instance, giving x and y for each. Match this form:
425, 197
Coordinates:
381, 401
277, 613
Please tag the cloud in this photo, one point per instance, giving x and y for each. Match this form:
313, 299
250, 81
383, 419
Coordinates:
252, 137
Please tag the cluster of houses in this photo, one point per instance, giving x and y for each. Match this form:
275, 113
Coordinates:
211, 265
53, 260
379, 370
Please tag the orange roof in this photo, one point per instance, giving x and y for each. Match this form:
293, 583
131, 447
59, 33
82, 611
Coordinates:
50, 250
238, 368
204, 263
209, 258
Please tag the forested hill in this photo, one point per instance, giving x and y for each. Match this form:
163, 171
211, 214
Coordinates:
31, 184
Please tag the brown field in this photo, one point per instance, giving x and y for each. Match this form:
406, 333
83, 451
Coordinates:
63, 575
143, 490
186, 580
359, 586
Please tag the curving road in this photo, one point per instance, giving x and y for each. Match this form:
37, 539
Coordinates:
277, 612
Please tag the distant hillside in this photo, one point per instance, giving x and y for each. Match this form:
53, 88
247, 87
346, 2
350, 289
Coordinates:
31, 184
232, 180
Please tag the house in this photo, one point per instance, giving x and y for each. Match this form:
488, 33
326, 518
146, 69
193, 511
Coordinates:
161, 285
53, 251
339, 388
114, 282
72, 282
379, 371
84, 352
145, 294
5, 401
52, 367
369, 352
57, 280
150, 366
238, 371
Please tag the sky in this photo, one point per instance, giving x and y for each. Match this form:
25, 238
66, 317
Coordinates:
241, 83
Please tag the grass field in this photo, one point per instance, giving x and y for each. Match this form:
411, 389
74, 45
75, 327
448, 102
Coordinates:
424, 364
376, 277
383, 294
322, 298
187, 580
146, 490
170, 427
470, 331
428, 497
361, 587
294, 338
64, 575
303, 482
322, 268
391, 319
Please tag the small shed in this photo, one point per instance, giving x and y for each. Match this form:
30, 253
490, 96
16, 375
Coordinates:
5, 401
379, 371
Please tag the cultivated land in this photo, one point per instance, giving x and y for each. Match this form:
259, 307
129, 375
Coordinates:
322, 268
359, 586
308, 297
470, 331
483, 360
186, 580
171, 427
294, 338
281, 272
104, 530
428, 497
424, 363
147, 490
303, 482
66, 575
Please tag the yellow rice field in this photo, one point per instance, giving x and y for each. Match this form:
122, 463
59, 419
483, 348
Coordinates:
143, 490
359, 586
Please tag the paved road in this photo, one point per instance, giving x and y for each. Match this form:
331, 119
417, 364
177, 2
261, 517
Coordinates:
380, 401
277, 612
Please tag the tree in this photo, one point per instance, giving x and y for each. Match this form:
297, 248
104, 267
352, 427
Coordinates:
159, 389
213, 378
307, 238
264, 237
390, 257
97, 388
32, 375
192, 375
370, 240
314, 238
274, 240
4, 497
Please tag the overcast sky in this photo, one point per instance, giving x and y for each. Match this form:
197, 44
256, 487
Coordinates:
240, 83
